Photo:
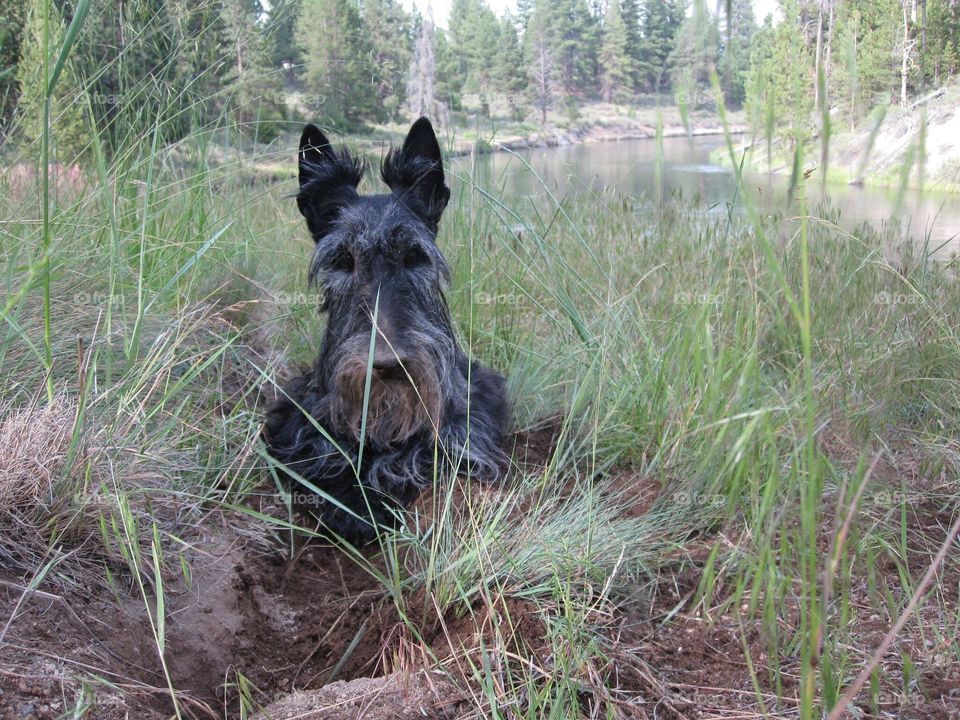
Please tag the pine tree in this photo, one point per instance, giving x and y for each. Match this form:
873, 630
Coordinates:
780, 86
615, 75
388, 28
577, 46
460, 36
630, 12
942, 57
736, 40
509, 75
449, 77
524, 13
338, 61
540, 52
283, 21
864, 70
475, 38
694, 55
69, 131
660, 23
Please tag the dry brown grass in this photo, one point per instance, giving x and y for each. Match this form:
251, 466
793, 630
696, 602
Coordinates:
35, 442
52, 490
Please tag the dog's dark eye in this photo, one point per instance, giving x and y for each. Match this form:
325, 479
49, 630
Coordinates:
415, 257
342, 260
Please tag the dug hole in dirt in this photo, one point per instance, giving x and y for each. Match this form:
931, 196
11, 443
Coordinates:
316, 635
245, 612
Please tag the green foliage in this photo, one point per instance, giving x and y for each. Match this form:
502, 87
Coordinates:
561, 47
11, 22
577, 45
630, 13
449, 78
388, 27
475, 38
660, 24
615, 73
339, 59
510, 77
736, 41
253, 104
70, 134
242, 62
780, 83
864, 73
694, 55
941, 58
283, 19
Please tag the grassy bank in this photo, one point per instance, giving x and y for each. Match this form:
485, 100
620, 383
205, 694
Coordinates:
735, 458
913, 148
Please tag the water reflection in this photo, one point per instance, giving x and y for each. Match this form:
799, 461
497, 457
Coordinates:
629, 166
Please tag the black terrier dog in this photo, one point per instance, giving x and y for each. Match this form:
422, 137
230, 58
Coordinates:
371, 441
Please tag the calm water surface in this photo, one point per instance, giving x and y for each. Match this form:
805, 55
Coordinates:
629, 166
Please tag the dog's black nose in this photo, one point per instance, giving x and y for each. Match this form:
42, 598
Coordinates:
388, 367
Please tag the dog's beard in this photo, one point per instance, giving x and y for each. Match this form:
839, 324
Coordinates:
397, 408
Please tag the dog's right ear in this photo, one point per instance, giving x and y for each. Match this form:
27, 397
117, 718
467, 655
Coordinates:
328, 180
414, 173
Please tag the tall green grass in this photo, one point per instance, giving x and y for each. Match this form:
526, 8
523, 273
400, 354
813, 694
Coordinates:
744, 369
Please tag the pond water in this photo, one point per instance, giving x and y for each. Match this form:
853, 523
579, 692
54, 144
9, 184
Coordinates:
629, 166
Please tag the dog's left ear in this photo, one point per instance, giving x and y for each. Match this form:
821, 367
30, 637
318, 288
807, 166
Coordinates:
415, 173
328, 180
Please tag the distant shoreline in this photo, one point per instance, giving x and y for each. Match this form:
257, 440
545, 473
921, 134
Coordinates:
587, 136
513, 142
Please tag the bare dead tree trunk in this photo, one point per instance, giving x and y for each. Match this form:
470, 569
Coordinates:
819, 59
542, 80
543, 86
421, 86
923, 26
828, 65
905, 61
853, 89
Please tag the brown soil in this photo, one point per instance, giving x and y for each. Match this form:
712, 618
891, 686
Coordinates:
393, 697
246, 612
319, 637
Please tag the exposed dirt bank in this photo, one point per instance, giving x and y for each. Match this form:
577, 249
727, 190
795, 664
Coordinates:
919, 145
589, 134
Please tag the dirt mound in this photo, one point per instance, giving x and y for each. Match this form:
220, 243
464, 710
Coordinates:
392, 697
246, 619
245, 625
243, 613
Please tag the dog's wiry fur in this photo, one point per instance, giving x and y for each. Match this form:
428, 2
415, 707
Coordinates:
430, 411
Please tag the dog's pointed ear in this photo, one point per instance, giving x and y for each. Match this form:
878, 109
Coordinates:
415, 173
328, 180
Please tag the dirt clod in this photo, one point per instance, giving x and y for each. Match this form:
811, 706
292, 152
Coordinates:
392, 697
